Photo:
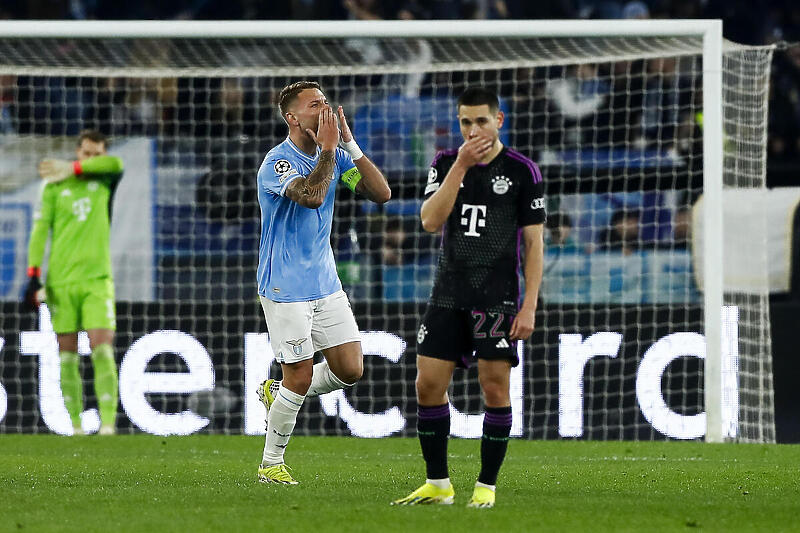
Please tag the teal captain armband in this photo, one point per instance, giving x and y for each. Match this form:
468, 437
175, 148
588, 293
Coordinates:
351, 178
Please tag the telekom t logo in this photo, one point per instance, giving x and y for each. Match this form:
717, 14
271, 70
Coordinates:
477, 218
81, 208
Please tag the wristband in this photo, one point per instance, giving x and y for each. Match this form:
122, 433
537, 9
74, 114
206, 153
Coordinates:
76, 168
351, 147
34, 272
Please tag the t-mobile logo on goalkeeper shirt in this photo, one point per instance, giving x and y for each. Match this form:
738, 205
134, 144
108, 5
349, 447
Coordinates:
81, 208
477, 219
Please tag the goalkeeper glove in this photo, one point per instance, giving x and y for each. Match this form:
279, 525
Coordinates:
55, 170
34, 293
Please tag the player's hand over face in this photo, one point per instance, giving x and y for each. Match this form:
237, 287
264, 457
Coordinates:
474, 150
523, 325
327, 136
347, 135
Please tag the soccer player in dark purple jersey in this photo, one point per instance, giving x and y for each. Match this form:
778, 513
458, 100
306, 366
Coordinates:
487, 200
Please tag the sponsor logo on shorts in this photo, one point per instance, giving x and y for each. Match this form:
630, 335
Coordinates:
502, 343
297, 345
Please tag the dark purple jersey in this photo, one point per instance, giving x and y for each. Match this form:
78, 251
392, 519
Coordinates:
480, 254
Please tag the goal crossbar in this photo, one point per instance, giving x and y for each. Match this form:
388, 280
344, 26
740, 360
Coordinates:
132, 29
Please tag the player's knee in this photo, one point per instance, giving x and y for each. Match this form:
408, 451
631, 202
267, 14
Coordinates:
102, 348
352, 373
429, 392
495, 393
94, 344
68, 343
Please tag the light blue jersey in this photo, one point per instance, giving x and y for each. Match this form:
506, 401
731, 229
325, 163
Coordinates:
295, 262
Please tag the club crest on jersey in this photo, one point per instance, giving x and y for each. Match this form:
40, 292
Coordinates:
432, 175
500, 184
282, 166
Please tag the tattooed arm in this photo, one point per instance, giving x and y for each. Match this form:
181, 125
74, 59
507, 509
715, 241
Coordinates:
310, 191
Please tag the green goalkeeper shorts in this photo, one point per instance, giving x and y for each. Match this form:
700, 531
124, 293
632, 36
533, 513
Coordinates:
82, 306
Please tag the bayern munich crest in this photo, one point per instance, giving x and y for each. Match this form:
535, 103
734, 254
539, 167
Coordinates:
282, 166
500, 184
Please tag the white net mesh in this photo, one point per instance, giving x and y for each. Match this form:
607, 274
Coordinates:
746, 79
614, 123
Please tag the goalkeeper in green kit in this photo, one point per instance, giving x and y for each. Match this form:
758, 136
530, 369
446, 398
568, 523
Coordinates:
79, 289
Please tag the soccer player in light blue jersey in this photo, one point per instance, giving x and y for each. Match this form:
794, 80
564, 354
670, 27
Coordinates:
303, 301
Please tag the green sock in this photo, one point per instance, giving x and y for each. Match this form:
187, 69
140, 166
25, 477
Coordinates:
71, 386
105, 383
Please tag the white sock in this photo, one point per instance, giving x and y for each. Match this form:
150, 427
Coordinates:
280, 424
439, 483
324, 381
490, 487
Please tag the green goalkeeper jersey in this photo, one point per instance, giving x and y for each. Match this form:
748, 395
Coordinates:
78, 211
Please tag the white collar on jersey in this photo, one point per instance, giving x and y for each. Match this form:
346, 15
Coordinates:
300, 152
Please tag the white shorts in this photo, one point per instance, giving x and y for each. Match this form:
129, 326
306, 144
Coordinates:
298, 329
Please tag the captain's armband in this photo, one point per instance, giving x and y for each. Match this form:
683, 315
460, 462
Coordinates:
351, 178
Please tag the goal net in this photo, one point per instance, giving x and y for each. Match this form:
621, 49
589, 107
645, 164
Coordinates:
616, 124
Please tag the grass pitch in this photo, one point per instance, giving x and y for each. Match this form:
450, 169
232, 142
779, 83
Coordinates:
207, 483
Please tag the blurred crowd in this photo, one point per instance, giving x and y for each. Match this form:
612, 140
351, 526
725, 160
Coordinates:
772, 21
226, 124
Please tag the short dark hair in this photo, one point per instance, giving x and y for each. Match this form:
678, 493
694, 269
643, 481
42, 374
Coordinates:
480, 96
94, 136
289, 93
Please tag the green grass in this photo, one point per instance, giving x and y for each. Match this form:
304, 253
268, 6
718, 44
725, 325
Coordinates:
202, 483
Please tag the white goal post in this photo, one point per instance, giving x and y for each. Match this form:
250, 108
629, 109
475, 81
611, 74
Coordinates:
561, 42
